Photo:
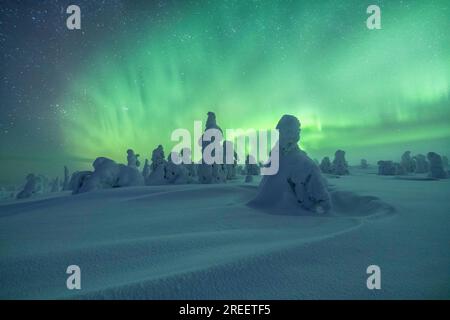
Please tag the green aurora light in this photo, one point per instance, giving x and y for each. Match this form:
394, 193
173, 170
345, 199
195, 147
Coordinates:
373, 93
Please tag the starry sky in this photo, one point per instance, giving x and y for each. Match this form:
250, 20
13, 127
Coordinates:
139, 69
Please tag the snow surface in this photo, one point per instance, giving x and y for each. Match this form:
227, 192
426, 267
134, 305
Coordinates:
203, 242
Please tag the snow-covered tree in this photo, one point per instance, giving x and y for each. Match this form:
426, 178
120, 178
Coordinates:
108, 174
299, 182
386, 168
325, 165
407, 162
132, 158
29, 188
146, 169
421, 164
436, 166
339, 166
158, 166
210, 172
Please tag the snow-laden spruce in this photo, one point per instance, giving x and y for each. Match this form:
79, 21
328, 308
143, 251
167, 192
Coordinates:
132, 159
146, 170
436, 166
421, 164
339, 166
407, 162
325, 165
299, 182
30, 187
210, 173
158, 168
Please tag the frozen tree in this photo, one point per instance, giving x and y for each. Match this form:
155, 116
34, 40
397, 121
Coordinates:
421, 164
210, 173
325, 165
128, 176
30, 187
132, 159
158, 166
176, 173
364, 164
146, 169
104, 176
77, 179
386, 168
436, 166
339, 166
66, 182
157, 157
109, 174
407, 162
299, 182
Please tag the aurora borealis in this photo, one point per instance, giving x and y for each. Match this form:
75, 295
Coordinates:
147, 69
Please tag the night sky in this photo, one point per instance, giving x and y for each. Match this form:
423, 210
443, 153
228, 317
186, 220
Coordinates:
139, 69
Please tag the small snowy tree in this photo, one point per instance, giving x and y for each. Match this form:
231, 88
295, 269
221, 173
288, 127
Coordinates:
146, 169
132, 159
176, 173
30, 187
339, 166
207, 172
325, 165
77, 180
407, 162
436, 166
158, 166
421, 164
386, 168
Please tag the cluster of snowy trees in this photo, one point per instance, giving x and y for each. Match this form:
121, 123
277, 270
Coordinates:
159, 170
339, 166
298, 182
433, 164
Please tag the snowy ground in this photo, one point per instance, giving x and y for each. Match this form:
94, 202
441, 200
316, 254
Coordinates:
203, 242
